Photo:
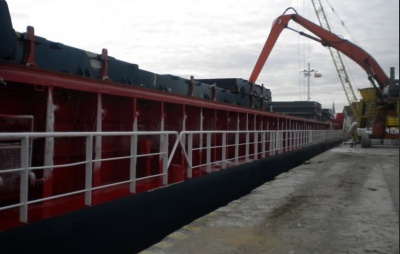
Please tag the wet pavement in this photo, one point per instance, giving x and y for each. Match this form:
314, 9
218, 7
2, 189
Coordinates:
345, 200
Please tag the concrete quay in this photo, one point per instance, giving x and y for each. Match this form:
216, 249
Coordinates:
345, 200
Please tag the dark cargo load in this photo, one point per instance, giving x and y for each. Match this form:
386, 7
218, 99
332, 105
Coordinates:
28, 49
306, 109
173, 84
239, 86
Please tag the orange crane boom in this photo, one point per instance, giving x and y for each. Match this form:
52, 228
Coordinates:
327, 39
387, 89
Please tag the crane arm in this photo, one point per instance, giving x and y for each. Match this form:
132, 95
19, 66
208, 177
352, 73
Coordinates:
327, 39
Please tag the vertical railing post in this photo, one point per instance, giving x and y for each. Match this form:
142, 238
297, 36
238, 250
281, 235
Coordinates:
271, 143
286, 140
132, 163
277, 142
263, 144
305, 138
311, 137
165, 159
301, 133
200, 151
298, 136
237, 148
314, 135
294, 140
190, 155
208, 152
299, 139
255, 144
23, 210
306, 133
89, 170
247, 139
280, 138
247, 145
223, 149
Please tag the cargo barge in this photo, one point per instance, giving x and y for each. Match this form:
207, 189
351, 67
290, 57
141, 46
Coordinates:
79, 129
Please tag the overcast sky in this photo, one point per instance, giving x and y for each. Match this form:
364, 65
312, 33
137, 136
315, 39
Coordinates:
221, 38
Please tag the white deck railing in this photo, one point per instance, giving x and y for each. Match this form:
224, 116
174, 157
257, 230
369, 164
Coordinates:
221, 149
27, 172
253, 144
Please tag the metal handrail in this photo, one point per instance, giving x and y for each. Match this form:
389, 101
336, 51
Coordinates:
278, 141
255, 143
25, 137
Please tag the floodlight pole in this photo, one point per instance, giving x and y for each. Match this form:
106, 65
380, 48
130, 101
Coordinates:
308, 74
